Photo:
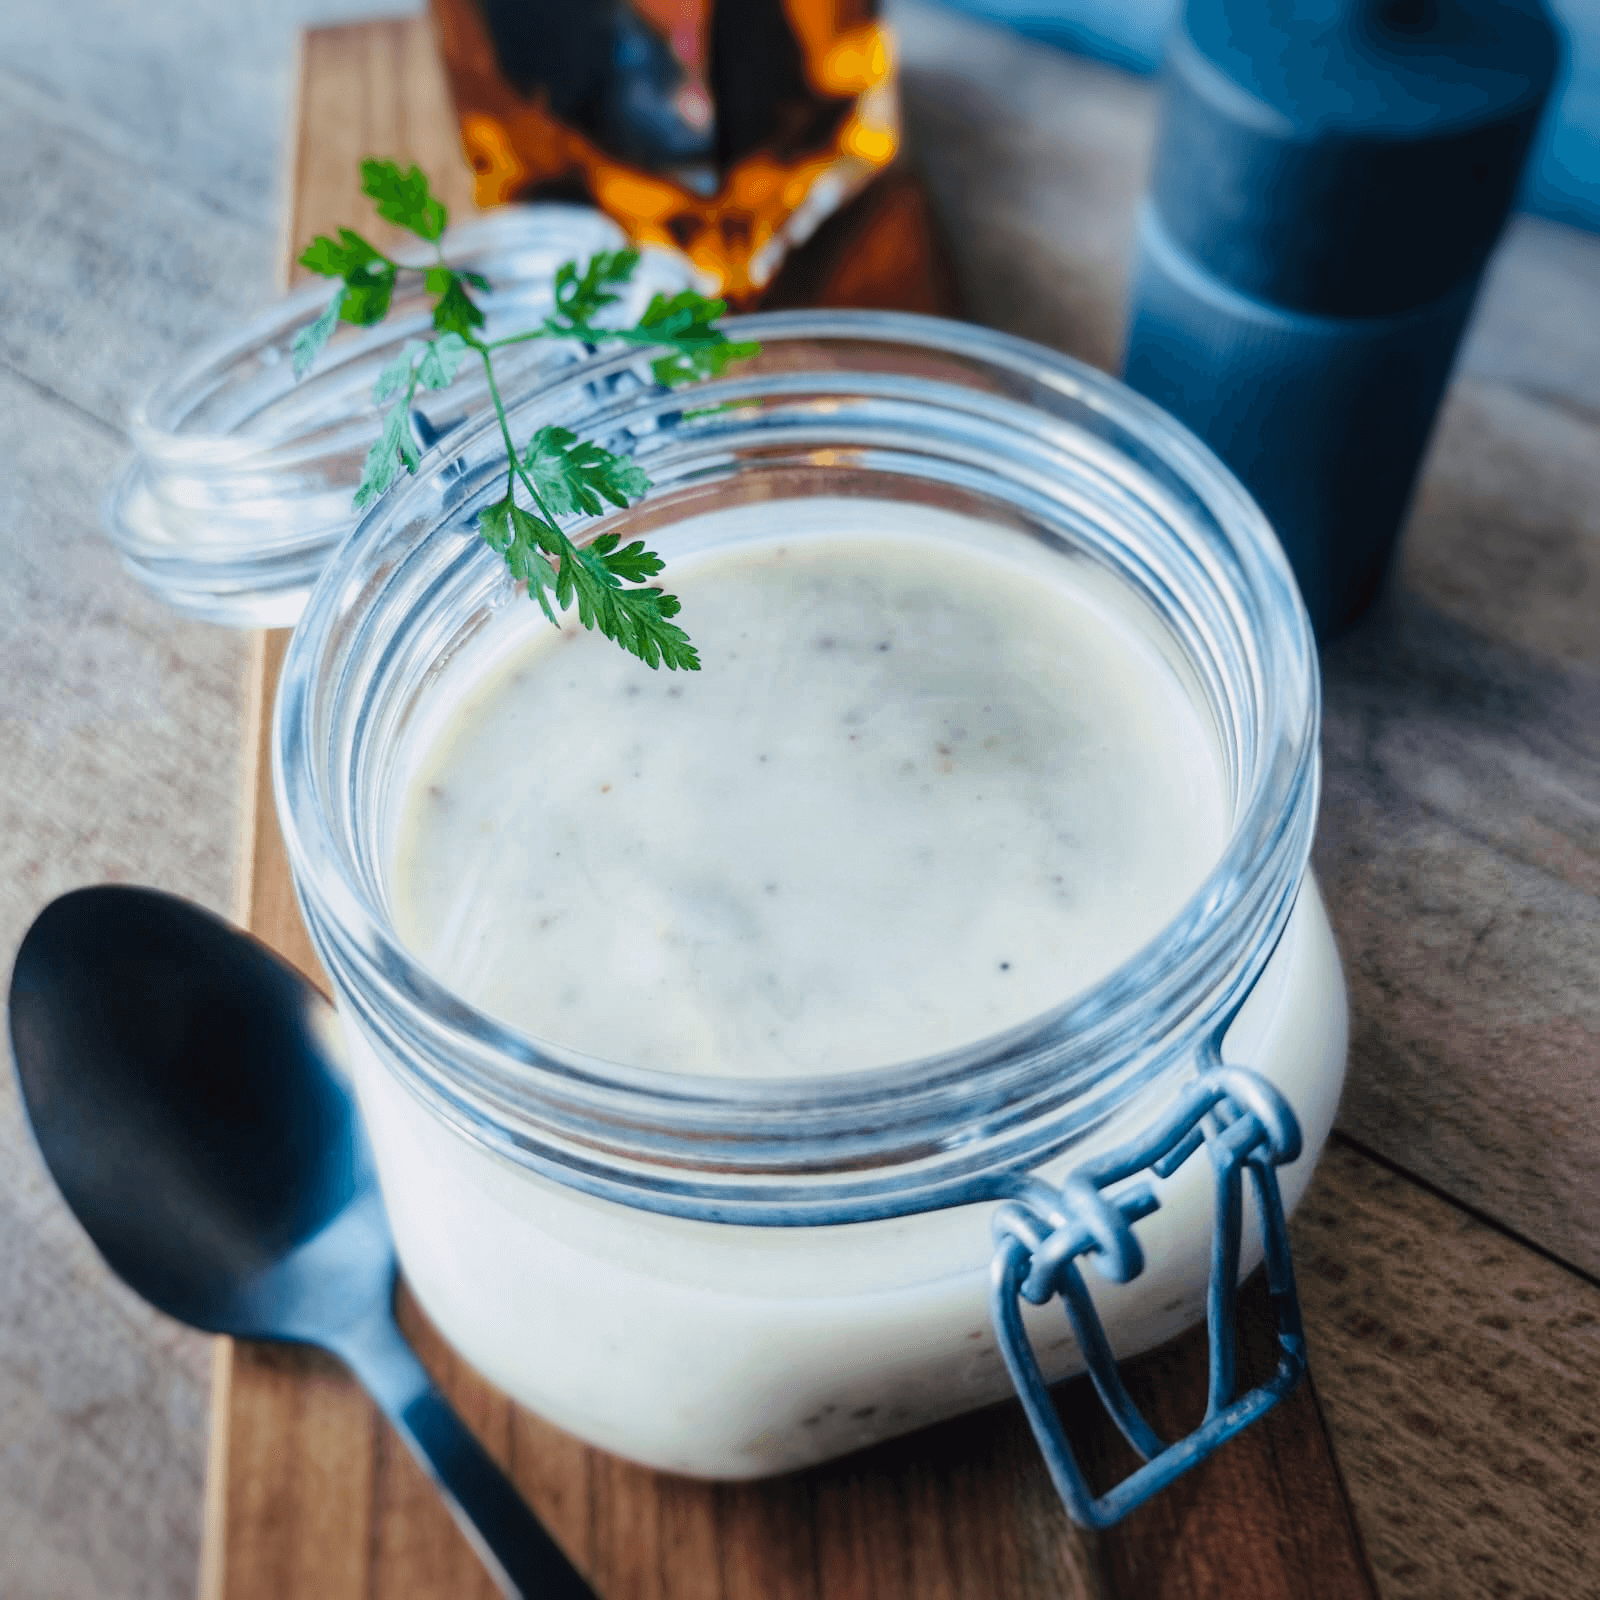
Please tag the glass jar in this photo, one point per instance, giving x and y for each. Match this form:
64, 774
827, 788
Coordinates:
729, 1277
243, 474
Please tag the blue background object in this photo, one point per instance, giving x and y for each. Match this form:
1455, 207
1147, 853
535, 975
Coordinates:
1324, 419
1563, 175
1328, 181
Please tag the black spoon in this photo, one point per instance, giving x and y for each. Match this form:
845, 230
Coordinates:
182, 1085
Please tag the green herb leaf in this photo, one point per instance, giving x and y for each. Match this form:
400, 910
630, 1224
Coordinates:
580, 297
637, 619
367, 293
687, 322
404, 198
422, 364
397, 374
634, 618
520, 538
394, 448
368, 274
441, 358
338, 258
632, 564
707, 361
455, 310
576, 475
568, 476
437, 280
557, 570
308, 342
494, 523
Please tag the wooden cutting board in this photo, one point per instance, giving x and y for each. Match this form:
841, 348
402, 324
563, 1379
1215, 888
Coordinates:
310, 1497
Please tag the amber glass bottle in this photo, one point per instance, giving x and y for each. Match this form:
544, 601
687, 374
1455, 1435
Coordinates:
727, 129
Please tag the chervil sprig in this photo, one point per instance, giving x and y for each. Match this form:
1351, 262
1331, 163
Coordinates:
686, 321
561, 474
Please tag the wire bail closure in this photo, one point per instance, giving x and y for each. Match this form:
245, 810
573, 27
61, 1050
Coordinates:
1246, 1125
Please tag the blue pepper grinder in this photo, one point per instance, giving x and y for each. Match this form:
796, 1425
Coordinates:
1329, 180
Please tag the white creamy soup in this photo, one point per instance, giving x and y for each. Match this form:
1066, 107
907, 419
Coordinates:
916, 796
929, 784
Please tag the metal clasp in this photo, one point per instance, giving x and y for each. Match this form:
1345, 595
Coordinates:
1246, 1125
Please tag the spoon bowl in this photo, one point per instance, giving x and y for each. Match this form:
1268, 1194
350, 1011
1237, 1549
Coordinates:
185, 1089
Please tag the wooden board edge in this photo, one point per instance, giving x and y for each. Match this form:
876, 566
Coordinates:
253, 753
255, 765
214, 1517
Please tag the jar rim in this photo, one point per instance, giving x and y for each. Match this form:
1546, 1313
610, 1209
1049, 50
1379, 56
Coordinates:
708, 1148
240, 483
161, 420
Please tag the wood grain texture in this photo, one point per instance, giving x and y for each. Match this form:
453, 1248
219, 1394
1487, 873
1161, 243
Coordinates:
1460, 1374
1460, 838
369, 89
1247, 1523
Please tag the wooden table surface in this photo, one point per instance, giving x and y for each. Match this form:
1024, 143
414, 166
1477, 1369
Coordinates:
1447, 1249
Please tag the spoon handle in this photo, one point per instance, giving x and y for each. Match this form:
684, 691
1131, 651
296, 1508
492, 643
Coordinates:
513, 1545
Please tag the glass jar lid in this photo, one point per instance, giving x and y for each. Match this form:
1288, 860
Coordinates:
242, 480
